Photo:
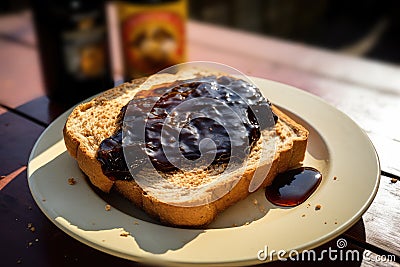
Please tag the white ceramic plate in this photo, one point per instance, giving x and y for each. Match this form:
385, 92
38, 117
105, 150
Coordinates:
337, 147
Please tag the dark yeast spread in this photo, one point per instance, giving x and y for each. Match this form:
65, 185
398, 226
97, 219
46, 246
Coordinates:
224, 109
293, 187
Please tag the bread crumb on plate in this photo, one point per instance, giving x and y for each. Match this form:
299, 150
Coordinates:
31, 227
71, 181
124, 234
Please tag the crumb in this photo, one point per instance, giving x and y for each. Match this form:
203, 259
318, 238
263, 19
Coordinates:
303, 215
19, 261
318, 207
234, 225
135, 223
262, 209
2, 177
30, 244
103, 240
255, 201
124, 234
36, 240
31, 227
334, 178
247, 223
325, 222
393, 180
44, 200
107, 207
335, 222
71, 181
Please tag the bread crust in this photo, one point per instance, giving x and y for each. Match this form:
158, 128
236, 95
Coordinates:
86, 161
191, 216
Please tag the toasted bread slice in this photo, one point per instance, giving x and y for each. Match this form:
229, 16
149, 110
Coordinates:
90, 123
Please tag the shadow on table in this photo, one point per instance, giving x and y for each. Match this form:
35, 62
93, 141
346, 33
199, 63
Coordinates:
43, 110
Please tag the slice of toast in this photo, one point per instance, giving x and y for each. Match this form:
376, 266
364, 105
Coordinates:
92, 122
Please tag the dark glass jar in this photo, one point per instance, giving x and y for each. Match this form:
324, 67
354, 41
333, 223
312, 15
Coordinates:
73, 47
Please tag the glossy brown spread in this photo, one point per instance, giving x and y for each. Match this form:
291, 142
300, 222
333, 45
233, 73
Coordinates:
240, 99
293, 187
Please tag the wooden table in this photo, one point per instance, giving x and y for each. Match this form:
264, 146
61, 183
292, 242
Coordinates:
368, 91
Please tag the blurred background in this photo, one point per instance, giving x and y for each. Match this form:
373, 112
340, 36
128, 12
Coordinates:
369, 28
